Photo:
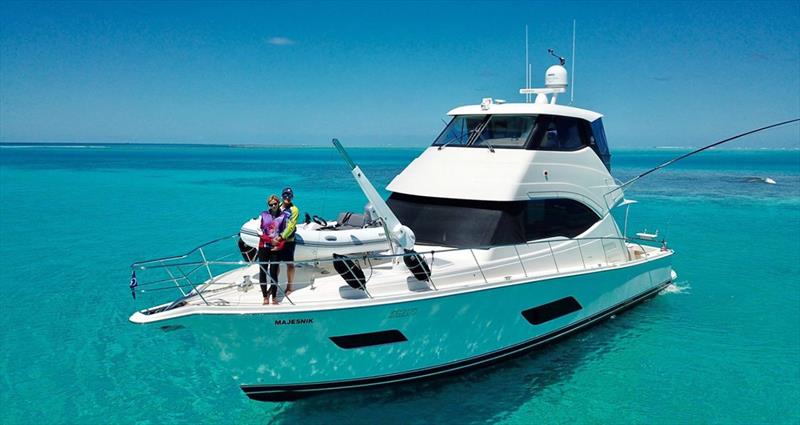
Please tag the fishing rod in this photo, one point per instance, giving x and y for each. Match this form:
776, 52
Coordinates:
674, 160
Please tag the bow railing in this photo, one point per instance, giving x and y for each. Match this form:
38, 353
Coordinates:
206, 270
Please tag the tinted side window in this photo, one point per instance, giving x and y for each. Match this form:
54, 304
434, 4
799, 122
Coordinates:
469, 223
460, 222
557, 133
600, 145
557, 217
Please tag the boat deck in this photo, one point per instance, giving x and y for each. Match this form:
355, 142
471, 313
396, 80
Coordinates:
320, 286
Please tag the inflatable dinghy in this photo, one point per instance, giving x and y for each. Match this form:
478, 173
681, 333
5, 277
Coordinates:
318, 239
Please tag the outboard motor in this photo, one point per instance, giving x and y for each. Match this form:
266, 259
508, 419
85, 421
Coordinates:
417, 265
370, 215
350, 271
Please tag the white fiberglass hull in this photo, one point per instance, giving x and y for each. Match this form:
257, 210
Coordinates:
289, 354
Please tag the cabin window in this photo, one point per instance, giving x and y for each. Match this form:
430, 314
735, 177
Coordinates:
468, 223
548, 218
458, 222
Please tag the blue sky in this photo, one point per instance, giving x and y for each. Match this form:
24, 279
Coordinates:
385, 73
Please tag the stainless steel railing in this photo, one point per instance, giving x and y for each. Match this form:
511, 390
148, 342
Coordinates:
196, 272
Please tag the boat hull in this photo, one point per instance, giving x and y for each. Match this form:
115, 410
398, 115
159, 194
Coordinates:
283, 356
294, 392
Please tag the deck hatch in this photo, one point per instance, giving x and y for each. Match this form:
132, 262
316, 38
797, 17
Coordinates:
368, 339
552, 310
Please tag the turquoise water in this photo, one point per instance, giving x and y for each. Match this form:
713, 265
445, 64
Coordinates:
721, 346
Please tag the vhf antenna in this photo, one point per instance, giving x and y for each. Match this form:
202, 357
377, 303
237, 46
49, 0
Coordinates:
527, 68
572, 73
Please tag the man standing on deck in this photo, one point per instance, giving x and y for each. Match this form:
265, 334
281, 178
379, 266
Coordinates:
287, 253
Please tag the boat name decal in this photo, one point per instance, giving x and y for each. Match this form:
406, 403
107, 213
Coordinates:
402, 313
279, 322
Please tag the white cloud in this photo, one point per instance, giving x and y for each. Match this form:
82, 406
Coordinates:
280, 41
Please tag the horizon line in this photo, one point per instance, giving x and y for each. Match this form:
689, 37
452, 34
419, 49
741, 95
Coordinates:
356, 145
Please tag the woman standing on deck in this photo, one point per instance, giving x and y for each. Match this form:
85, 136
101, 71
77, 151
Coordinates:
273, 222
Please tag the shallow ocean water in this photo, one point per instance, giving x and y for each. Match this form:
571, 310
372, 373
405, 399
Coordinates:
720, 346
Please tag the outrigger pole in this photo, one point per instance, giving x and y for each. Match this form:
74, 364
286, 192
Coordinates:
674, 160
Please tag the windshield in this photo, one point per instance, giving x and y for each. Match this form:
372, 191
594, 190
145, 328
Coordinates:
503, 131
460, 130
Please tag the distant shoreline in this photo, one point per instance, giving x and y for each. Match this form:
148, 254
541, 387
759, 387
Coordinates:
326, 146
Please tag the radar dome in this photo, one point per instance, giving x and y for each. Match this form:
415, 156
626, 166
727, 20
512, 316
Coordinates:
556, 77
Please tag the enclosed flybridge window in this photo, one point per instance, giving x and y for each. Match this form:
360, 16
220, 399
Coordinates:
505, 131
599, 144
556, 133
533, 132
460, 130
497, 131
470, 224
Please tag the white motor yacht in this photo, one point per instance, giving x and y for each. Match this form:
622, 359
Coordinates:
499, 237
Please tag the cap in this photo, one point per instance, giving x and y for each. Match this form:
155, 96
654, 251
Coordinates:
287, 193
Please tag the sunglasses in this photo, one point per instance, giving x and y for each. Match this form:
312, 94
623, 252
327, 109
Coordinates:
273, 204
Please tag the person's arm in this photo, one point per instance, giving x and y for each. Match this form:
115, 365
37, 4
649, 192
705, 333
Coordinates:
291, 224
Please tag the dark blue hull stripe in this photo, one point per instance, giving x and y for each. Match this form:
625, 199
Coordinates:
296, 391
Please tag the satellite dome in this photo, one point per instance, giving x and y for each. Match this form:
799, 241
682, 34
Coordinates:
556, 77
